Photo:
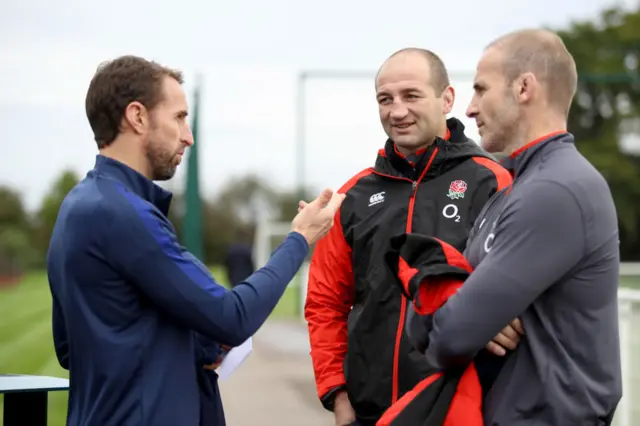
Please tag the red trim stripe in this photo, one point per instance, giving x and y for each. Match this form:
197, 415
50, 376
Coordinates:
522, 149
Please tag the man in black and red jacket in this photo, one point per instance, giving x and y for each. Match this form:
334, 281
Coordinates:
429, 178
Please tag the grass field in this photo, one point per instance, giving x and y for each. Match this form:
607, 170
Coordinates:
26, 345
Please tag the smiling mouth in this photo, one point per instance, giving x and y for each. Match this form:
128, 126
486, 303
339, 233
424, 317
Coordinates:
403, 126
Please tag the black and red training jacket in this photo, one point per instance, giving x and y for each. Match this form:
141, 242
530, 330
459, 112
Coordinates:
355, 313
430, 271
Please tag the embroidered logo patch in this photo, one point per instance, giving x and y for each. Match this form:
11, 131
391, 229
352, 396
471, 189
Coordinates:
457, 189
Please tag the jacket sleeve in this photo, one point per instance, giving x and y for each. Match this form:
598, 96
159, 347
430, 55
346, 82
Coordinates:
207, 351
142, 246
526, 258
329, 301
60, 340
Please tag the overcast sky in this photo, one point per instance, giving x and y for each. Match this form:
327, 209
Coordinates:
249, 54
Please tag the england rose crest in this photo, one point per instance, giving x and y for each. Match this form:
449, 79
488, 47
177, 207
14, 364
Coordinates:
457, 189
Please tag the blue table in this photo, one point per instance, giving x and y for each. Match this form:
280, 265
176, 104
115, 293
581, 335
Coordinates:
26, 398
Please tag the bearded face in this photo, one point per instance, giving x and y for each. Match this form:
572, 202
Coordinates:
164, 149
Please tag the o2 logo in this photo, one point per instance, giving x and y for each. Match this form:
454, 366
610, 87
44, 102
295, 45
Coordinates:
450, 211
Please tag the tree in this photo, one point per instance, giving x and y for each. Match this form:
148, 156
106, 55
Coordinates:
47, 214
16, 250
220, 227
287, 204
607, 53
235, 213
12, 212
247, 198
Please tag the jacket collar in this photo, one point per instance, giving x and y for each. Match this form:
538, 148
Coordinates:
134, 182
518, 161
439, 157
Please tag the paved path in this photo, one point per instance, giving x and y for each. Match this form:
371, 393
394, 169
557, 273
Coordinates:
275, 385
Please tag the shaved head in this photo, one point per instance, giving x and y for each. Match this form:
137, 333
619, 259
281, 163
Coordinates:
543, 54
438, 76
414, 97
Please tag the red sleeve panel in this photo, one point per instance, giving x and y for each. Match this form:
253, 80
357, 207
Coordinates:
330, 294
503, 177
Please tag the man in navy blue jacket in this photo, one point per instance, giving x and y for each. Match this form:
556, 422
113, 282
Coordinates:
131, 307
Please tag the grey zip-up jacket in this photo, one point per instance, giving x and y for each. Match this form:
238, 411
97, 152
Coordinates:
547, 251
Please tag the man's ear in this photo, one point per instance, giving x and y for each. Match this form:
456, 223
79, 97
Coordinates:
136, 117
526, 87
448, 98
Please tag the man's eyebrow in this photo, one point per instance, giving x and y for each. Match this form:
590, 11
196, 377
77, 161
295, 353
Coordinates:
403, 91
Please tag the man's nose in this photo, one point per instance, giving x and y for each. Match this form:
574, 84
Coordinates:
472, 110
399, 111
187, 137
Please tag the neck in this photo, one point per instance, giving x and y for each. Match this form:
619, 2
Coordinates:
539, 128
122, 151
412, 150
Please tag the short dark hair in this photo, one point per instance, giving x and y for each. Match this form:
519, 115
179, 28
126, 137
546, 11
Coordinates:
115, 85
439, 75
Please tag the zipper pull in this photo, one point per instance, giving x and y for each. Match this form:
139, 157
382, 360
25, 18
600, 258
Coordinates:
414, 185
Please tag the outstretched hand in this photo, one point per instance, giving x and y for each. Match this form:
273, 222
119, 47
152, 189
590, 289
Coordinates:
315, 219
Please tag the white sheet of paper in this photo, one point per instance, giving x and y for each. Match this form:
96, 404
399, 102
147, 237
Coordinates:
234, 358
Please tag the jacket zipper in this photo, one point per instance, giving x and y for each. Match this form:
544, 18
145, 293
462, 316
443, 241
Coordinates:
403, 300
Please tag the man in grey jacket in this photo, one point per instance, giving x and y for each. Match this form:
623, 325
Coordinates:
548, 248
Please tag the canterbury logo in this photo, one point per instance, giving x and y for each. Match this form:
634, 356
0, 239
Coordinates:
376, 199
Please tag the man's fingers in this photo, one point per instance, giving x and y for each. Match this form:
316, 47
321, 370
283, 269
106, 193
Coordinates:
517, 326
509, 342
213, 366
510, 333
496, 349
508, 338
335, 203
322, 199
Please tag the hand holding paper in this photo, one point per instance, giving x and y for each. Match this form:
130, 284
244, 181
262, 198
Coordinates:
232, 360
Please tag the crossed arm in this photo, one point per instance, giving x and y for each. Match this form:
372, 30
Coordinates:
527, 257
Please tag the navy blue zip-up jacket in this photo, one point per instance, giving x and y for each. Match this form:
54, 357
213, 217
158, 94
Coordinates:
135, 316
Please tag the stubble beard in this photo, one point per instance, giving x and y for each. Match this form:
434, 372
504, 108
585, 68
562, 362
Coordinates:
507, 125
161, 162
